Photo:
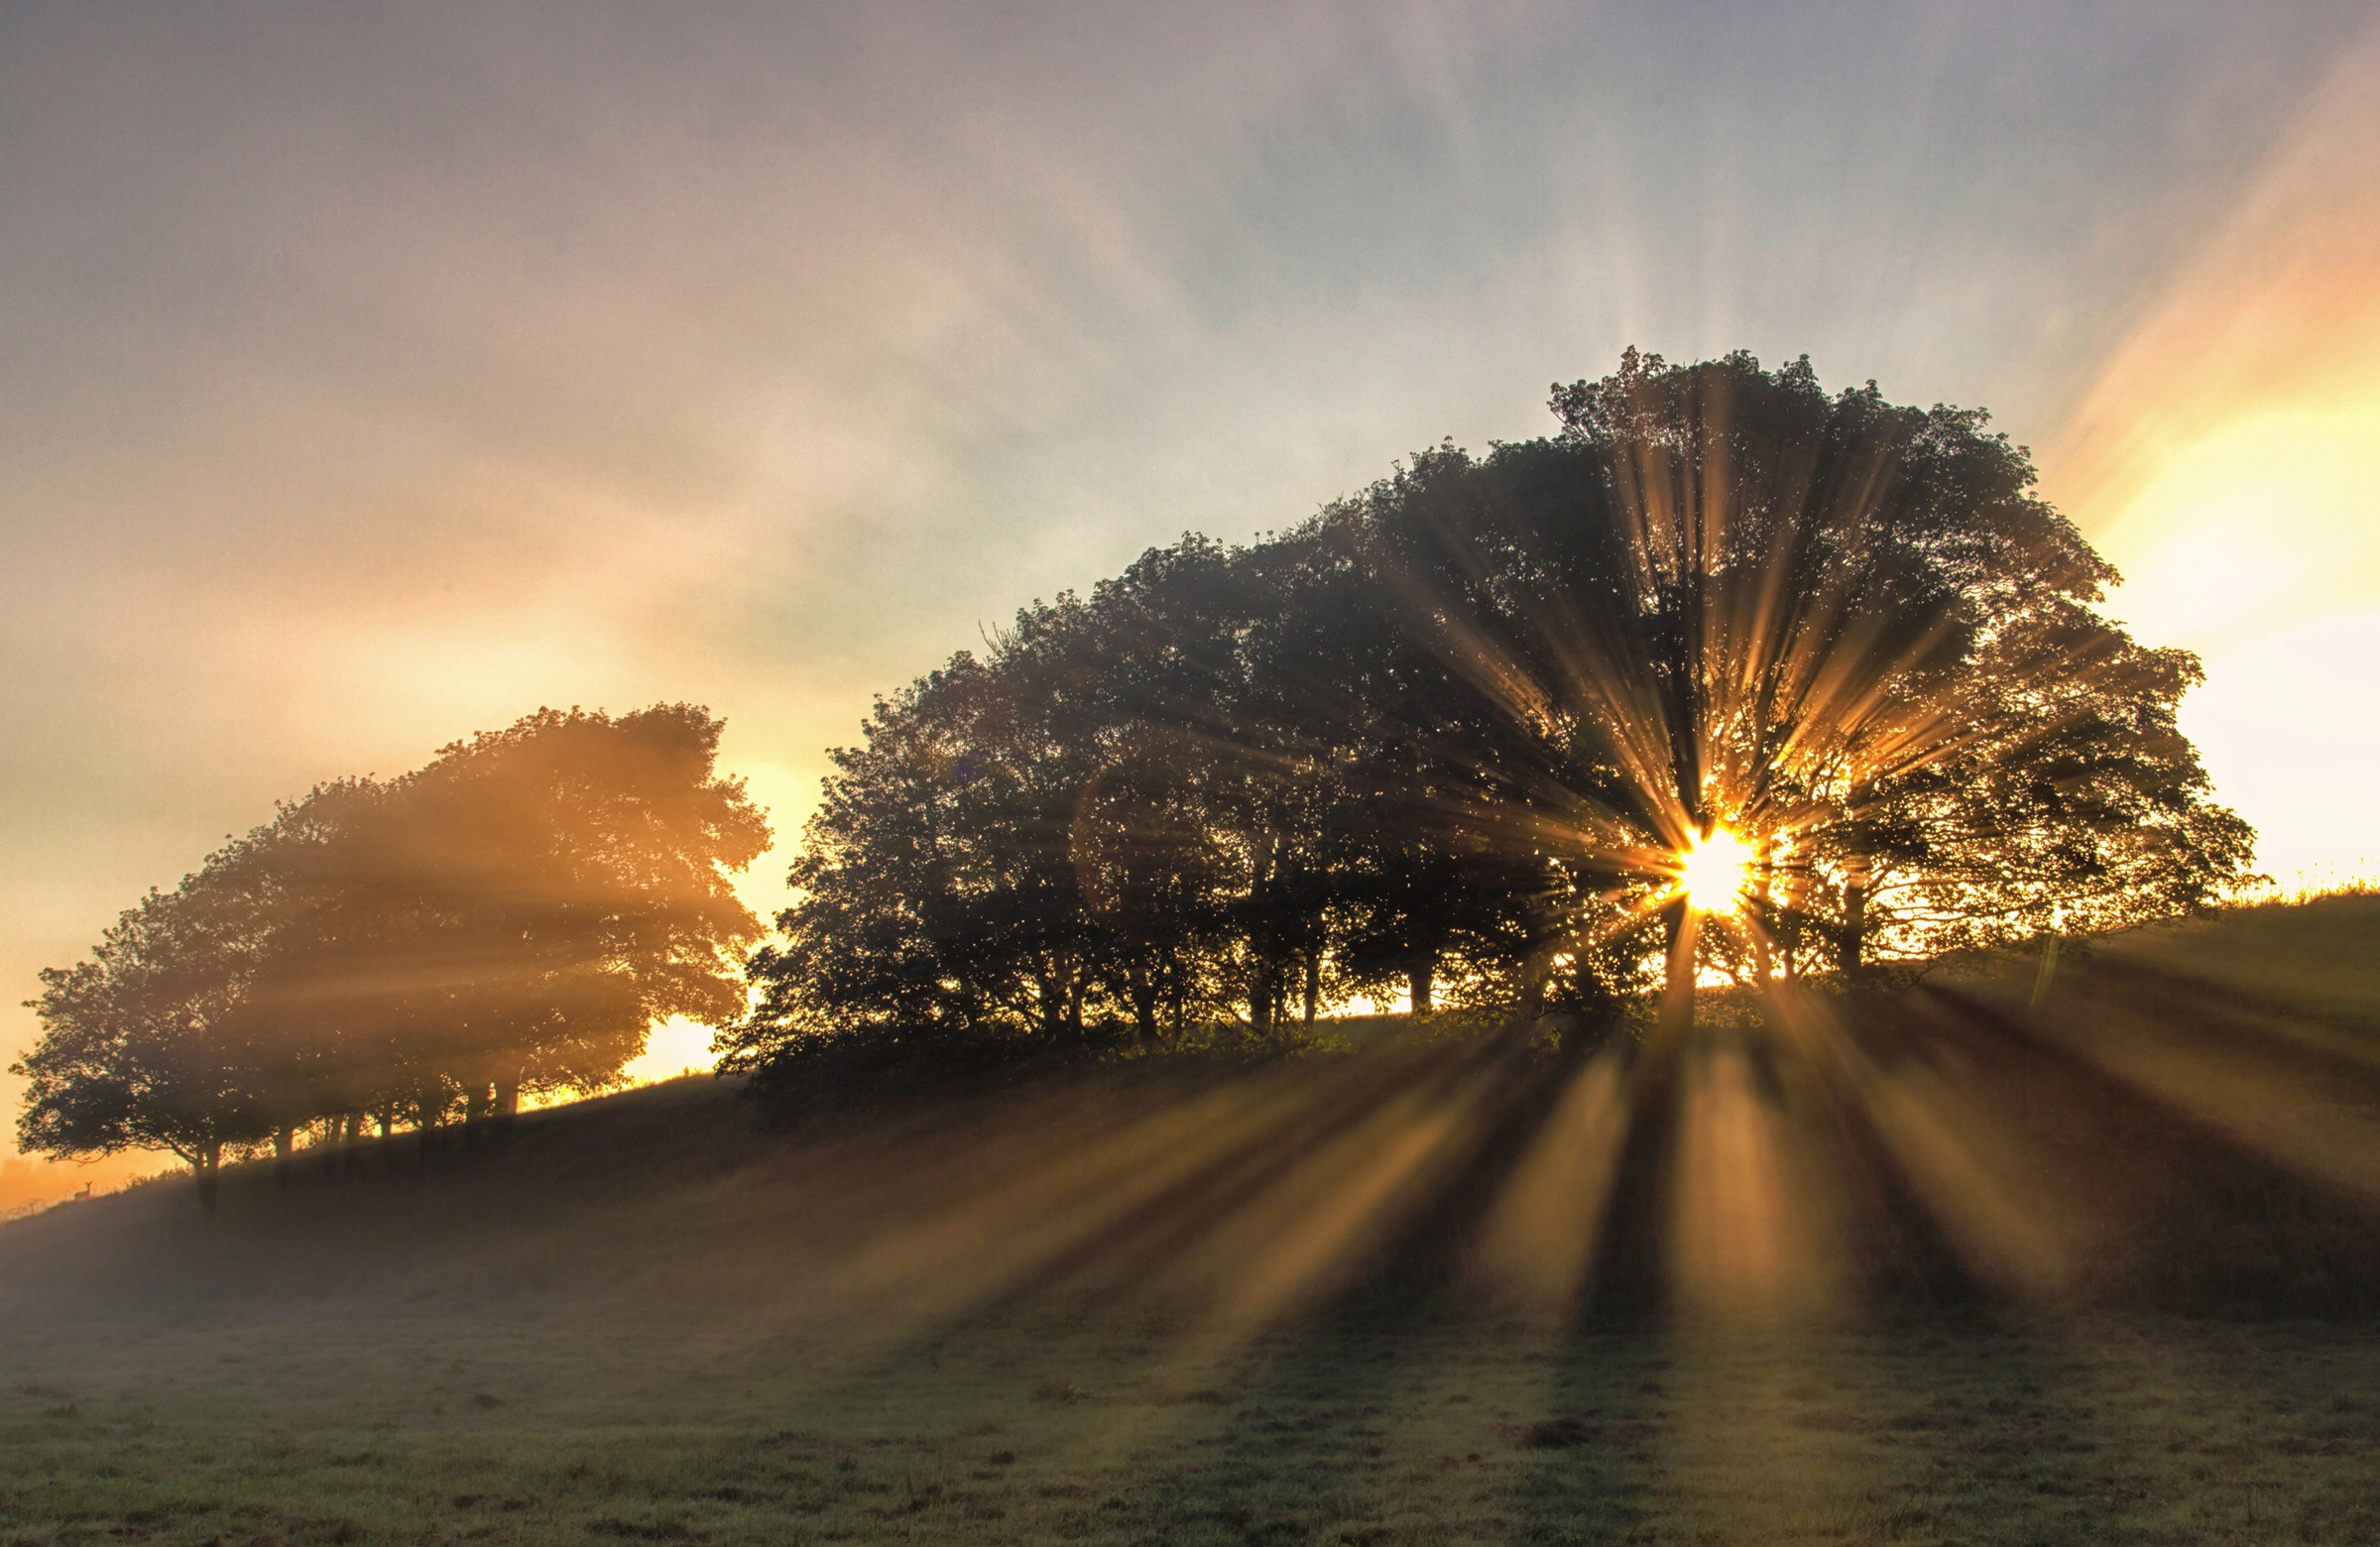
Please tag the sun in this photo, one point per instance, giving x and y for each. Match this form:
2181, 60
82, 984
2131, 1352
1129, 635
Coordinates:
1713, 872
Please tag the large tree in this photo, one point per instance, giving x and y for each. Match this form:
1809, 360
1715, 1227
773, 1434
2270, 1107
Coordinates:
1462, 732
1845, 633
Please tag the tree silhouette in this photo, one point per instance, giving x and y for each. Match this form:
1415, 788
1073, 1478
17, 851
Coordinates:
140, 1048
514, 918
1461, 731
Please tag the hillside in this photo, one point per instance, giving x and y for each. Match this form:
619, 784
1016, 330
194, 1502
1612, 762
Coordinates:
1440, 1288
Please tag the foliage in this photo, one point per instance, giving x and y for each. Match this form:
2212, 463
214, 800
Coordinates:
1452, 736
1845, 630
512, 917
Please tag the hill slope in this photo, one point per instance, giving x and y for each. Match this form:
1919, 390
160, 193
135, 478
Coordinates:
1450, 1287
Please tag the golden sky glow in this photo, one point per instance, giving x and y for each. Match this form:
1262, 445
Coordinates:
368, 379
2228, 459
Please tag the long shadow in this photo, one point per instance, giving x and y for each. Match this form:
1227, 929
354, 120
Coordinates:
1426, 1252
1175, 1225
1338, 1416
1906, 1261
1355, 1400
2207, 1007
1628, 1283
1395, 1412
1340, 1413
1344, 1418
1899, 1255
2199, 1223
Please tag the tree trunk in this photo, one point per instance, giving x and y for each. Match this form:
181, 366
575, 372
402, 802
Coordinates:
1313, 985
1421, 980
1536, 974
1677, 989
285, 1144
1142, 989
479, 1099
208, 1168
1855, 925
507, 1095
1763, 959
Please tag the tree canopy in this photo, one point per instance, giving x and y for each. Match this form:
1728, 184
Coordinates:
1457, 733
512, 917
1477, 736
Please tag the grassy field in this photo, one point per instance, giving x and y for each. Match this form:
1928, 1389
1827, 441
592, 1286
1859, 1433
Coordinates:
1963, 1264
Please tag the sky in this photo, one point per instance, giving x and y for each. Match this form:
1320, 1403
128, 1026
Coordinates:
373, 375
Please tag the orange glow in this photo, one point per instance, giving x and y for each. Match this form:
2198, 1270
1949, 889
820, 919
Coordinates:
2225, 461
1715, 870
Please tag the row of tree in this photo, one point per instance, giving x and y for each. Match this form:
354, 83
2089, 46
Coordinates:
1454, 736
511, 919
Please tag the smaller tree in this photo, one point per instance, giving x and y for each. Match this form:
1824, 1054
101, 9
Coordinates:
514, 918
546, 893
141, 1046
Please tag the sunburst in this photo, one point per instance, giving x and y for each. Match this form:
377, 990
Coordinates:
1715, 870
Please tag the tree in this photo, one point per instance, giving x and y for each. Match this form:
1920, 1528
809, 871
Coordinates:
1458, 827
1463, 731
548, 892
512, 917
1849, 633
141, 1046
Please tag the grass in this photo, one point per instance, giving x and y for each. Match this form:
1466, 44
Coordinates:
2132, 1299
2318, 960
1375, 1430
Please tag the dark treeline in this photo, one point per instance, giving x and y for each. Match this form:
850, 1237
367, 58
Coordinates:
1453, 736
511, 919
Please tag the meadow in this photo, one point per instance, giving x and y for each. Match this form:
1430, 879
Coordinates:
2091, 1255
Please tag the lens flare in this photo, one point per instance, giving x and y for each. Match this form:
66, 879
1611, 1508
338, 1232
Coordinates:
1714, 873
